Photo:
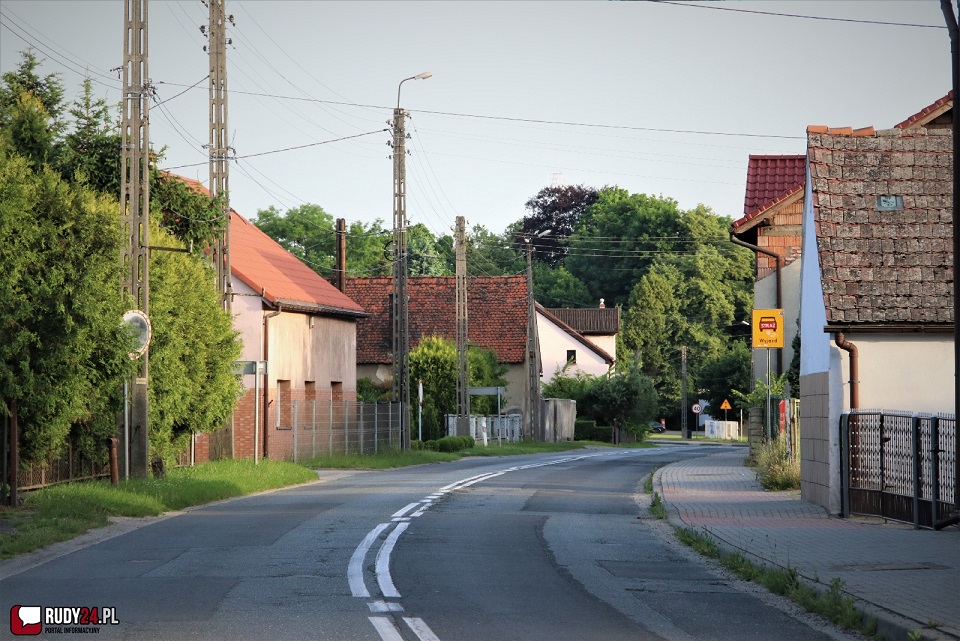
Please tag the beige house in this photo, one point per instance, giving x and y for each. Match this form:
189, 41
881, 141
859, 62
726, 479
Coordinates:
577, 340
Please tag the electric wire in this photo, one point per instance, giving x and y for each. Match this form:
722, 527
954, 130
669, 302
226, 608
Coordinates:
794, 15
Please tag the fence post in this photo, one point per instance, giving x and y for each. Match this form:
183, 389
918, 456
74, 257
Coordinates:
845, 465
376, 421
934, 470
361, 427
295, 413
313, 405
330, 430
915, 432
346, 428
390, 424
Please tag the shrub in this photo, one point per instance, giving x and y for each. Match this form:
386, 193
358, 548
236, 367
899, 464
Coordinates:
587, 430
776, 468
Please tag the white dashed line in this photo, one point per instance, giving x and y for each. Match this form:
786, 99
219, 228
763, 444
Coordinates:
355, 570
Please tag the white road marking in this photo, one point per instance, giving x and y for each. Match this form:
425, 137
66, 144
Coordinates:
386, 629
355, 570
400, 513
384, 579
383, 606
420, 629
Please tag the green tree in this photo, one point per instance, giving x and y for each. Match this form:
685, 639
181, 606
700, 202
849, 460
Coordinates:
368, 250
624, 398
728, 371
424, 257
490, 254
25, 80
556, 287
64, 352
189, 214
307, 232
92, 147
193, 387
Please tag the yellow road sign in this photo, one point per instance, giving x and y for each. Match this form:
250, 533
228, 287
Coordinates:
726, 405
767, 328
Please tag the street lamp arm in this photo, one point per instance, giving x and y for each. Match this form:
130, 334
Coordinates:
419, 76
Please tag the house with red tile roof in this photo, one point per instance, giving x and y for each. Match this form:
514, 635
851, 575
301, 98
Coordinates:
291, 317
876, 285
770, 226
497, 320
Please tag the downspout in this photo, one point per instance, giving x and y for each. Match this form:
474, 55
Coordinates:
778, 287
266, 386
847, 346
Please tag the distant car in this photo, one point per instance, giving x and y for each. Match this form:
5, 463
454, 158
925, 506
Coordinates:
657, 427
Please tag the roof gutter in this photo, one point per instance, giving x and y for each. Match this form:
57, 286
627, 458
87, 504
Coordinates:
779, 282
840, 339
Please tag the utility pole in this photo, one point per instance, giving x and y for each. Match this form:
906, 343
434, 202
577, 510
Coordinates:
401, 325
219, 149
463, 337
684, 429
401, 321
533, 363
135, 220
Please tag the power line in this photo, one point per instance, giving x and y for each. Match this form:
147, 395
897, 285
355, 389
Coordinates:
794, 15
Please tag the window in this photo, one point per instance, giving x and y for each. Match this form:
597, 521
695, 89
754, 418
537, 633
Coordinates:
336, 390
571, 356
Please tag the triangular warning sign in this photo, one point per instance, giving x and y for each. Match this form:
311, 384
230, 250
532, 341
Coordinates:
726, 405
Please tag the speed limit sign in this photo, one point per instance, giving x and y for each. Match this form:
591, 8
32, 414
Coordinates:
697, 408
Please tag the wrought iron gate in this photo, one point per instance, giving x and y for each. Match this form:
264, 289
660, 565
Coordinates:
900, 466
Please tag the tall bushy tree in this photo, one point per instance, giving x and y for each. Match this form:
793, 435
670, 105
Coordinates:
64, 352
556, 210
193, 387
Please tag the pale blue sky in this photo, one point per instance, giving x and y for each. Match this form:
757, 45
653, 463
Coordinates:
652, 78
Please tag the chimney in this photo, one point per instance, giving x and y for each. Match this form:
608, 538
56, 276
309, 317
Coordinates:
601, 304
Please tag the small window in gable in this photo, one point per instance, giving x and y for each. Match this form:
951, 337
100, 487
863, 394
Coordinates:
571, 356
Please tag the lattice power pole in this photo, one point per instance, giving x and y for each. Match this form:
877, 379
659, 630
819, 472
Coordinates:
463, 336
219, 145
221, 442
401, 323
135, 219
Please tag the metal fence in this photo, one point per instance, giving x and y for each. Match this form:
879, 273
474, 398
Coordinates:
68, 466
900, 466
503, 428
323, 428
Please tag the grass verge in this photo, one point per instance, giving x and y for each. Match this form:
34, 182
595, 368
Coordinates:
380, 461
832, 603
62, 512
776, 468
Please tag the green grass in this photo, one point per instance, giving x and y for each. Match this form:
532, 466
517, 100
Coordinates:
832, 603
776, 468
381, 461
697, 436
657, 507
62, 512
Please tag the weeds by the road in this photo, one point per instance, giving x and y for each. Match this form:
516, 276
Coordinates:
776, 468
657, 508
832, 604
62, 512
384, 460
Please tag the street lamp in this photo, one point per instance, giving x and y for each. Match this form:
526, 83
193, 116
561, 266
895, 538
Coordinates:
401, 324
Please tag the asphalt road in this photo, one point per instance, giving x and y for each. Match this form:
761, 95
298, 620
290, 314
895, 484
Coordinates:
546, 547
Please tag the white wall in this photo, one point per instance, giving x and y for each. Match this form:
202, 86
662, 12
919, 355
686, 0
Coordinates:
554, 343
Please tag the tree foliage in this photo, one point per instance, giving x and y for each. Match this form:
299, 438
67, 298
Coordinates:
193, 387
624, 397
434, 362
554, 215
64, 351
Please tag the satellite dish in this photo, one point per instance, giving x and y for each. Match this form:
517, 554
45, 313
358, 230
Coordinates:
138, 326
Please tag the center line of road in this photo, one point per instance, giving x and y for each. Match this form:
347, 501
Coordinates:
355, 570
384, 579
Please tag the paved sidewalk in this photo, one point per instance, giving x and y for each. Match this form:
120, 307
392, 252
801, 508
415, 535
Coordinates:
906, 578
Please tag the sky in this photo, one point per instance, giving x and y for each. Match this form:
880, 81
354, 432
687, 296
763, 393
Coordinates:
662, 98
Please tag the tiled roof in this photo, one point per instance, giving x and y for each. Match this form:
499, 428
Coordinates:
929, 113
883, 267
770, 178
590, 320
496, 314
260, 262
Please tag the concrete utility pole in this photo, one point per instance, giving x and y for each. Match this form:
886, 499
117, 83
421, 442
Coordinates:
463, 336
684, 429
221, 442
219, 147
401, 321
135, 220
533, 363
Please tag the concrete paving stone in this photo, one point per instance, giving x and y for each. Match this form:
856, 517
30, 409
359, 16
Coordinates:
909, 579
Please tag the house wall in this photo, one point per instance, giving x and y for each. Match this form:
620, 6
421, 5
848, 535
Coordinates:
607, 343
765, 297
782, 235
554, 344
911, 372
820, 386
